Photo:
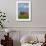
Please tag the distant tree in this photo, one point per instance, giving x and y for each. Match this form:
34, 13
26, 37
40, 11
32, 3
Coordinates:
22, 13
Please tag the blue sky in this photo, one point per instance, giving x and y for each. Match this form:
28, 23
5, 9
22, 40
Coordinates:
23, 7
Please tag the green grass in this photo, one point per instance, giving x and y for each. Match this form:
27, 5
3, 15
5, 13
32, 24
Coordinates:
23, 17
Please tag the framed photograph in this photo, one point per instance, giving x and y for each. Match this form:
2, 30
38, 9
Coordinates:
23, 10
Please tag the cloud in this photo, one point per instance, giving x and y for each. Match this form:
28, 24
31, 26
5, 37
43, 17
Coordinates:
25, 6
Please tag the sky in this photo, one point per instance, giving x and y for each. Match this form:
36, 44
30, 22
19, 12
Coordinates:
23, 7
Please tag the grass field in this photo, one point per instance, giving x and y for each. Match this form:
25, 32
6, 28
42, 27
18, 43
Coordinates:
23, 15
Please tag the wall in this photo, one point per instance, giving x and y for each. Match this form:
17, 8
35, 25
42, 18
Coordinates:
38, 13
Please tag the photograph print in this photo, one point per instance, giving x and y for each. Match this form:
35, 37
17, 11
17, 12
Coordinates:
23, 11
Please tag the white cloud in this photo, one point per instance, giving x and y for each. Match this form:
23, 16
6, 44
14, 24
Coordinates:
25, 6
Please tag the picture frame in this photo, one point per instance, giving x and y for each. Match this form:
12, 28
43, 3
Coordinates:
23, 10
